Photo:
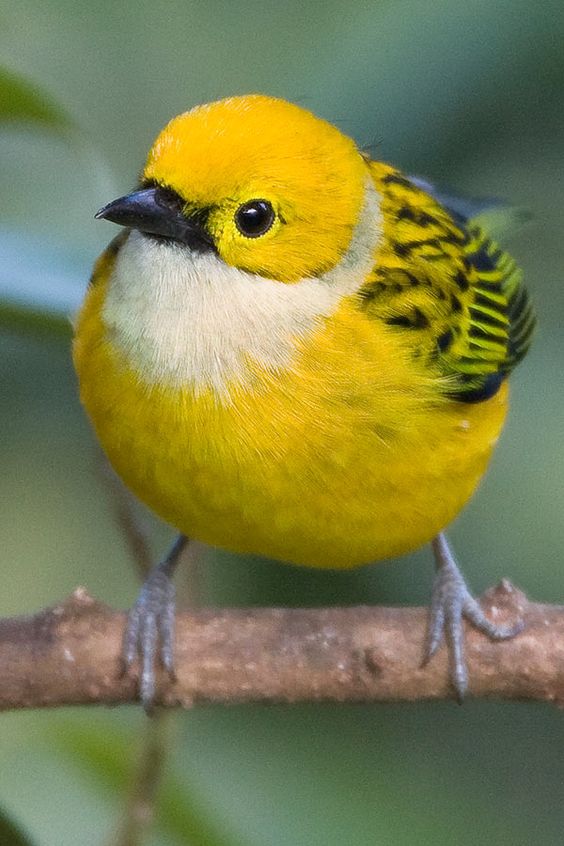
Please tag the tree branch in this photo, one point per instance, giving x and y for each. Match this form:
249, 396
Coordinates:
70, 654
139, 811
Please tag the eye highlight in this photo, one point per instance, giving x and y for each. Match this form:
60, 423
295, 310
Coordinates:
254, 218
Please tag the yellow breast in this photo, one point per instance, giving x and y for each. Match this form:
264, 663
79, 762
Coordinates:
343, 455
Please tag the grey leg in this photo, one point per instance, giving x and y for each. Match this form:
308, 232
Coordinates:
149, 635
451, 602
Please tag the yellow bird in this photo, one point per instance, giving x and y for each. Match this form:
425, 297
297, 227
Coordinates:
295, 351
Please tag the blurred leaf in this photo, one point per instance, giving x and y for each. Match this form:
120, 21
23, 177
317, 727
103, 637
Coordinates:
29, 321
10, 835
20, 100
41, 284
106, 753
36, 293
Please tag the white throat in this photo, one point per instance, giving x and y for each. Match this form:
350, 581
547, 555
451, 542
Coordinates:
188, 319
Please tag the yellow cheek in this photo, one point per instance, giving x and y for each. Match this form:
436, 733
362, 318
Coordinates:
288, 252
255, 255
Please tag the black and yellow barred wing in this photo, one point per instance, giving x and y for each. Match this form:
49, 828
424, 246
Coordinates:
500, 318
442, 280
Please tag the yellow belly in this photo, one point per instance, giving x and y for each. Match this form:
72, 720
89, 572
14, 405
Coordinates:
349, 457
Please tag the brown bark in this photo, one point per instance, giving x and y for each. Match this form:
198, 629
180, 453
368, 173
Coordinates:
70, 654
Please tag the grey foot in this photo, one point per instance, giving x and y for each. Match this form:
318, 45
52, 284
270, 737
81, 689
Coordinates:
149, 635
451, 603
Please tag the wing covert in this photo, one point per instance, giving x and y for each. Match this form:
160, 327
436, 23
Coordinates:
439, 277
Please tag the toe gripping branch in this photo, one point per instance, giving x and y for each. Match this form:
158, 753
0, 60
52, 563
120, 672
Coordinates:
149, 634
451, 603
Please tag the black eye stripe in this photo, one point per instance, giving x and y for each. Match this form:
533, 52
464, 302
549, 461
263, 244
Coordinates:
171, 197
254, 218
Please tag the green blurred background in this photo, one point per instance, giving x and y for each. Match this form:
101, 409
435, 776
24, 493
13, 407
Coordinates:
469, 93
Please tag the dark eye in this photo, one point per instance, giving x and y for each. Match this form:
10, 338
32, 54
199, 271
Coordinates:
254, 218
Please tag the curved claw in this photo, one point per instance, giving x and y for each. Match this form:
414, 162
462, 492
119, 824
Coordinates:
451, 603
149, 635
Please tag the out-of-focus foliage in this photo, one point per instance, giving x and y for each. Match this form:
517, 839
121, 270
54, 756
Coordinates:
106, 754
467, 93
23, 102
39, 286
10, 835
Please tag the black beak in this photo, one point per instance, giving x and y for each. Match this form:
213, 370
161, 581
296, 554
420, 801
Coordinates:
158, 211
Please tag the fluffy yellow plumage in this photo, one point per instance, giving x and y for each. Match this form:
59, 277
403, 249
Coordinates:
292, 350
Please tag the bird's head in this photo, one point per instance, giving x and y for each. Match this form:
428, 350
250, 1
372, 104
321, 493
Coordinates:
262, 183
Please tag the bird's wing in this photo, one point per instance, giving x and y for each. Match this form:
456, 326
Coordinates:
497, 325
442, 280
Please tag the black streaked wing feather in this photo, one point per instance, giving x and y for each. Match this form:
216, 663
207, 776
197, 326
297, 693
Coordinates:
441, 275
